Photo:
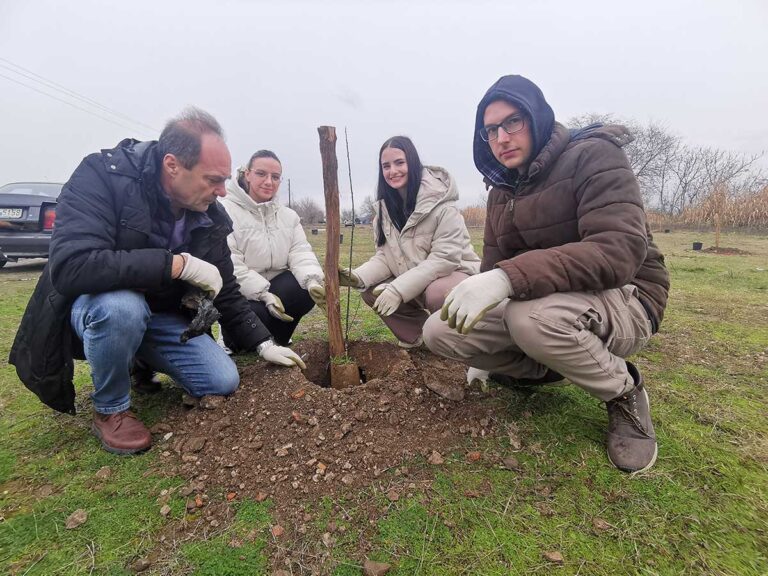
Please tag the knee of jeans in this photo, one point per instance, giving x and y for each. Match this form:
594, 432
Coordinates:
227, 381
125, 308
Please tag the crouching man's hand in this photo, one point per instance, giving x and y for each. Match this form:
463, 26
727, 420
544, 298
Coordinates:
468, 302
198, 273
281, 355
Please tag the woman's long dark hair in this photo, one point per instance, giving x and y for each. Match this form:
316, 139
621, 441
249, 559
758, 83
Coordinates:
398, 212
258, 154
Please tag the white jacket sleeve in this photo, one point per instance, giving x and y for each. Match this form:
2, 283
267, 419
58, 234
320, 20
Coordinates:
444, 256
252, 284
375, 271
302, 261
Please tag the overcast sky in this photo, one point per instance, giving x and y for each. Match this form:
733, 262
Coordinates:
272, 72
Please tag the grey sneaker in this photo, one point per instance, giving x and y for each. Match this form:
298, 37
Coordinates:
631, 438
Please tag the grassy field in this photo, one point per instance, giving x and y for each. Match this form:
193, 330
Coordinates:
703, 509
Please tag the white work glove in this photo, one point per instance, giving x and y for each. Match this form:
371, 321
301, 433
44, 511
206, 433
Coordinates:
201, 274
468, 302
317, 293
281, 355
275, 306
349, 278
388, 300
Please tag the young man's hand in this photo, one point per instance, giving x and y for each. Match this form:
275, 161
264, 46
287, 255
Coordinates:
469, 301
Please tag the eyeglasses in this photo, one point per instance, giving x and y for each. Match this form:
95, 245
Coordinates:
510, 125
261, 175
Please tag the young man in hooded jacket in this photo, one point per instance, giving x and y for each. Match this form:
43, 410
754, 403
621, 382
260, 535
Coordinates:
571, 282
137, 226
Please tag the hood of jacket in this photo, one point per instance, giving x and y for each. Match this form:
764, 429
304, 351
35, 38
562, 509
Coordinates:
529, 99
237, 195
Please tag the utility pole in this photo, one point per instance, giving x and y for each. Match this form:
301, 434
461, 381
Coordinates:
289, 193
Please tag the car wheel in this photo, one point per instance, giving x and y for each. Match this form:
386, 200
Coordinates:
3, 263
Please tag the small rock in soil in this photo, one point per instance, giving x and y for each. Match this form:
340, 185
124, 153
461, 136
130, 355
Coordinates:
601, 524
194, 444
393, 495
371, 568
76, 519
104, 473
140, 565
165, 510
277, 530
160, 428
211, 402
511, 463
45, 490
435, 458
554, 557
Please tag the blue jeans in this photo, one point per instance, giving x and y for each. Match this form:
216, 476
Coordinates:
117, 327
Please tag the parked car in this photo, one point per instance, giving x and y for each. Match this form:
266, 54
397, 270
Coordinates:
27, 215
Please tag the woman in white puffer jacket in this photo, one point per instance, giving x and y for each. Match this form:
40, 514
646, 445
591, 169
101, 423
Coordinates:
274, 264
423, 247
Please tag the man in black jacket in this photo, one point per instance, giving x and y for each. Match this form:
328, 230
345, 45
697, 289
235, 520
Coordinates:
136, 227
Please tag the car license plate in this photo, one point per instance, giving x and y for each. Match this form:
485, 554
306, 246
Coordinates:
10, 212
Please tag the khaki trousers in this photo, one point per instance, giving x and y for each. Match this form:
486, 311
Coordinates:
582, 335
407, 322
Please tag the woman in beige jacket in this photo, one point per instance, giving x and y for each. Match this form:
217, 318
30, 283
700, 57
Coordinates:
423, 248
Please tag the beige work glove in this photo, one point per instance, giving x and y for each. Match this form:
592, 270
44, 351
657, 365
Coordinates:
469, 300
349, 278
281, 355
317, 293
201, 274
275, 306
388, 299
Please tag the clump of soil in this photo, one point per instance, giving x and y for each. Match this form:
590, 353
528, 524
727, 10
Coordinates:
726, 251
284, 435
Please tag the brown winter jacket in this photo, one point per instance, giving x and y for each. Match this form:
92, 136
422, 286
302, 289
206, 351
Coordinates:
576, 223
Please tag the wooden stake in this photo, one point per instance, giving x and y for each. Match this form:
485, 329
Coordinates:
341, 373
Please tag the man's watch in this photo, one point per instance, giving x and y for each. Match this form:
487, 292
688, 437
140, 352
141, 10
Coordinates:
264, 345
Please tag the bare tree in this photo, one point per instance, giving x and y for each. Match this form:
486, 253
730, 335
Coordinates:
366, 208
673, 175
347, 216
309, 211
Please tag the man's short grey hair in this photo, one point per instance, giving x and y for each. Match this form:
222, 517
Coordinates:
182, 135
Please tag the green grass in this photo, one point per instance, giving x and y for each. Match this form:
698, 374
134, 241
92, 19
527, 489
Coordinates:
703, 509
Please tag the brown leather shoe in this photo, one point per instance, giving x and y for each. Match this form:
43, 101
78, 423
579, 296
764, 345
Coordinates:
121, 433
631, 438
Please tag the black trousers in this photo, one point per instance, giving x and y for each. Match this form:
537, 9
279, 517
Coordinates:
297, 303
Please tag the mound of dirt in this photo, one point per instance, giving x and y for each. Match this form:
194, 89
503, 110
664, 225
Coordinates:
726, 251
284, 435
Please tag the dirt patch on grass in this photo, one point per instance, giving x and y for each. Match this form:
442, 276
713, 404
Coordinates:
726, 251
286, 437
